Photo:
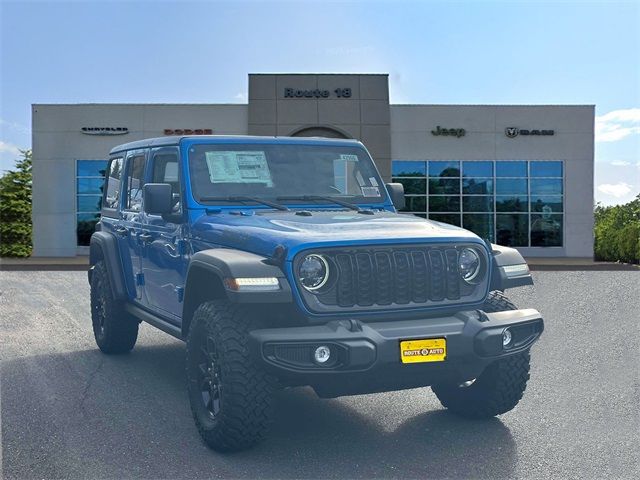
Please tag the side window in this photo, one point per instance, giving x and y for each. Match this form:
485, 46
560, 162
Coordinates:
165, 170
135, 181
112, 190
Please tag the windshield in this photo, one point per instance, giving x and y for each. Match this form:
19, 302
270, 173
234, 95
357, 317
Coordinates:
277, 171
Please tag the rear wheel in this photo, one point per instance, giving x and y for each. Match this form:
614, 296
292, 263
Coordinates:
115, 330
498, 389
231, 397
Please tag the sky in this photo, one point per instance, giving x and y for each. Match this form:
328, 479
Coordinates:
467, 52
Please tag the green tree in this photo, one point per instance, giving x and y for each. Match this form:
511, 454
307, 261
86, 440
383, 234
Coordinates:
15, 209
617, 232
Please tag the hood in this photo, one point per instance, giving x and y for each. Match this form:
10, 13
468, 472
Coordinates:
260, 232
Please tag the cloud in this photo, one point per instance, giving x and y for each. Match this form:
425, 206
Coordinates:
618, 124
7, 148
617, 190
621, 163
241, 97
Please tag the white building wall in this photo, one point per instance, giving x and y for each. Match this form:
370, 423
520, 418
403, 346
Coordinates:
58, 143
485, 139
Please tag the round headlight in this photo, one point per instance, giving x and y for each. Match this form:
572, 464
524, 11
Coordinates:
313, 272
468, 264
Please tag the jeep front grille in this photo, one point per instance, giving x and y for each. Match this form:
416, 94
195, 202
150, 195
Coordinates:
395, 277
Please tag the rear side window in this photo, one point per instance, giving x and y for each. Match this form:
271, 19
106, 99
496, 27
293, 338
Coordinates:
135, 182
112, 190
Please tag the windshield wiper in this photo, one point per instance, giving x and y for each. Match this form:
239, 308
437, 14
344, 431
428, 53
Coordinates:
242, 198
350, 206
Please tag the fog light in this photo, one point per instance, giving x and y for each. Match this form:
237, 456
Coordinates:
506, 338
322, 354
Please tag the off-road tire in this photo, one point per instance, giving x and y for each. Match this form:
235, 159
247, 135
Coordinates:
244, 391
498, 389
115, 330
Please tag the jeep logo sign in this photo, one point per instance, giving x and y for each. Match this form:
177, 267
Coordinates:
513, 132
451, 132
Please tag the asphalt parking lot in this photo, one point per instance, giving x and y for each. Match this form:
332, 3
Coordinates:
67, 411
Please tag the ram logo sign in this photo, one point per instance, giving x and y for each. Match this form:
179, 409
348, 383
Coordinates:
512, 132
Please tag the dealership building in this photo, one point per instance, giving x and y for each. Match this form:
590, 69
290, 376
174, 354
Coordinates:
519, 175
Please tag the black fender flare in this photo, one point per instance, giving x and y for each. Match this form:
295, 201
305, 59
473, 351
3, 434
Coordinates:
104, 245
505, 257
208, 270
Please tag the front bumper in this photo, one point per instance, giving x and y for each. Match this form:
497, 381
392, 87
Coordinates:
366, 356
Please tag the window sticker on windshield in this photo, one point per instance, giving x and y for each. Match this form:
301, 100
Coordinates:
238, 167
370, 191
373, 181
348, 158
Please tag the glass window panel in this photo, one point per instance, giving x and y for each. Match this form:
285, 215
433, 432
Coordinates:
444, 169
413, 186
452, 219
135, 183
545, 169
85, 226
89, 203
421, 215
546, 230
512, 230
512, 203
90, 185
415, 204
546, 186
113, 183
546, 204
477, 186
444, 186
511, 186
477, 203
511, 169
444, 204
91, 168
477, 169
408, 169
481, 225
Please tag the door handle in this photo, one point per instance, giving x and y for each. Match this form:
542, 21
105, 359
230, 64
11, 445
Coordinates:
121, 230
145, 237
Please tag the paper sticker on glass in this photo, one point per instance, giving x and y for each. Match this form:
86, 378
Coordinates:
238, 167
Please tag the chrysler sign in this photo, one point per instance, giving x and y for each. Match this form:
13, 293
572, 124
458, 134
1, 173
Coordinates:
513, 132
104, 130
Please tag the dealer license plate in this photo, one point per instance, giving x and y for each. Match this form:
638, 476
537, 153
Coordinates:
427, 350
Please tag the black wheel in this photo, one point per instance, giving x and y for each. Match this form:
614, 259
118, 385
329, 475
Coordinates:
231, 397
498, 389
115, 330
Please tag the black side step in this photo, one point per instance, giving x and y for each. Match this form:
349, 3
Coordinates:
154, 320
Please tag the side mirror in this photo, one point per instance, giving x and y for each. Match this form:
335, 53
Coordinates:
157, 198
396, 192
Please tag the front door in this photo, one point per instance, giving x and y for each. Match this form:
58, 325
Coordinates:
164, 256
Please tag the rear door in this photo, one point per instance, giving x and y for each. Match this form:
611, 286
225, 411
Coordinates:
164, 256
130, 224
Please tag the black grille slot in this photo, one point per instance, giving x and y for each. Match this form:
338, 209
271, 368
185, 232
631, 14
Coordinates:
401, 275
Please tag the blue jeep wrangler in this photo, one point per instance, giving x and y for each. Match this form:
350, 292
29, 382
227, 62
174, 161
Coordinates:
282, 262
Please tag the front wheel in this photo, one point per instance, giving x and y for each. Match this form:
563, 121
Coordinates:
231, 397
498, 389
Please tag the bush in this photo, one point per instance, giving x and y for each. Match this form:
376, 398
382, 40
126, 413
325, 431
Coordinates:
15, 209
617, 232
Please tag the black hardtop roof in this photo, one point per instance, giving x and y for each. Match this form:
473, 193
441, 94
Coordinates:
176, 139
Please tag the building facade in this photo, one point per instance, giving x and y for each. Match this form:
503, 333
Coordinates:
517, 175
